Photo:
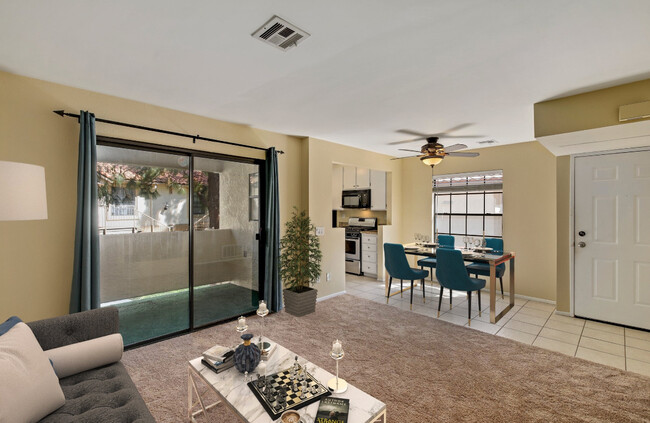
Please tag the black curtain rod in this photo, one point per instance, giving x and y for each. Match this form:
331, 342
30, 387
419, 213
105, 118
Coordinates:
63, 113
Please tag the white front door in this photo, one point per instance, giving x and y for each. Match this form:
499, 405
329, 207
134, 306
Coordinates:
612, 238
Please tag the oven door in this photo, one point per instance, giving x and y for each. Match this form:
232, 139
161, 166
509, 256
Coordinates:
352, 248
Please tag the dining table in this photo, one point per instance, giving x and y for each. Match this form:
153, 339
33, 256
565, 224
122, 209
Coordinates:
475, 256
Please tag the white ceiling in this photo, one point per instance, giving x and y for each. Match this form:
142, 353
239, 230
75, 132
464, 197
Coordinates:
369, 68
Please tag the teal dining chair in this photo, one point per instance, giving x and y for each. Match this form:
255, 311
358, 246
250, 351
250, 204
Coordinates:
483, 269
451, 274
444, 241
398, 267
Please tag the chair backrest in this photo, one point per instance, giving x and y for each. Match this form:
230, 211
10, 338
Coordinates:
497, 247
495, 243
446, 241
395, 261
451, 271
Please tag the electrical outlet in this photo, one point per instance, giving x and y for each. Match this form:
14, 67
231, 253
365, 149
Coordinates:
320, 231
328, 276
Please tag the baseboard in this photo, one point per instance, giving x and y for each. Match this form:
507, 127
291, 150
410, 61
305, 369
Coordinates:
327, 297
526, 297
563, 313
506, 295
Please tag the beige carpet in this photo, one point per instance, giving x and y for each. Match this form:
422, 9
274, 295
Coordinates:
425, 370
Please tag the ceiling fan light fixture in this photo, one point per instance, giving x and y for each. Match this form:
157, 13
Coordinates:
431, 160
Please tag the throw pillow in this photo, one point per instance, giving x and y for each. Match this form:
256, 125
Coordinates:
30, 389
81, 356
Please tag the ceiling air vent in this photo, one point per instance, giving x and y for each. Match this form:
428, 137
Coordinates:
488, 142
280, 33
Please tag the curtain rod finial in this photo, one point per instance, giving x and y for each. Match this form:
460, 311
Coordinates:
59, 112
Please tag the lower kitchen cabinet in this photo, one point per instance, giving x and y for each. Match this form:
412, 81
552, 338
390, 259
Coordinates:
369, 254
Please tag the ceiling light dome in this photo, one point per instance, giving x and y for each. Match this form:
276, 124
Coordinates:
431, 160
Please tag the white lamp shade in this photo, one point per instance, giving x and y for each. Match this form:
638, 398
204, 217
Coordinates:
22, 192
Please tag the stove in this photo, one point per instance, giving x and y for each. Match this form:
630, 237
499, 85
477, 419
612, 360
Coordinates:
356, 225
360, 224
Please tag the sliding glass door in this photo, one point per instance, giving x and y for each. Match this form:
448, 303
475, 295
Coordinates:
226, 245
176, 253
144, 240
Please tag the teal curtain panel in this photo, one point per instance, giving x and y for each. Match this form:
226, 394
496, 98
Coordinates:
85, 276
272, 283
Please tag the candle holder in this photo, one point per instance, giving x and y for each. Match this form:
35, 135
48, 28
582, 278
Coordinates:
262, 311
336, 384
241, 326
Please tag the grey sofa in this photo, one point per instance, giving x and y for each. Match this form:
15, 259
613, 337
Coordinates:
104, 394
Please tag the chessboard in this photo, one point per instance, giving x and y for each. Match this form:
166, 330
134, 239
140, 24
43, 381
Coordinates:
277, 393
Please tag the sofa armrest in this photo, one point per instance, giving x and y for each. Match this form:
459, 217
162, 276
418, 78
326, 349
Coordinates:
69, 329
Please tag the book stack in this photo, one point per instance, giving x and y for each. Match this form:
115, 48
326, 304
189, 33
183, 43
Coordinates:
219, 358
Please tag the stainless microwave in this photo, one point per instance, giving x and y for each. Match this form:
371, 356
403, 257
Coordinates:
356, 199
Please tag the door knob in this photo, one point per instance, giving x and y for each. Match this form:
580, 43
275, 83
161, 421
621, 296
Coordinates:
582, 244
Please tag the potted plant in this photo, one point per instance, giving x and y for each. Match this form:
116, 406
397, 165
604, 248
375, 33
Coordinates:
300, 259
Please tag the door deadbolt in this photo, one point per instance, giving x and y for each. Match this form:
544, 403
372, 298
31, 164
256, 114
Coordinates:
582, 233
582, 245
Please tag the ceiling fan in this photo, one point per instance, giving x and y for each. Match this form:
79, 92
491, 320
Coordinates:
433, 152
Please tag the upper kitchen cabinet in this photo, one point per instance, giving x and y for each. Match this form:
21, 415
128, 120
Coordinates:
363, 178
356, 177
377, 190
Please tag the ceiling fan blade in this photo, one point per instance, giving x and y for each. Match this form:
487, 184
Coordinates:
409, 132
463, 154
405, 141
406, 149
459, 136
406, 157
455, 147
456, 128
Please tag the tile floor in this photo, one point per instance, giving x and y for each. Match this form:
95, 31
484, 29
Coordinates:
531, 322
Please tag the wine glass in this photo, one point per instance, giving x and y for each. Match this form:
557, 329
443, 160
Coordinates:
465, 241
477, 242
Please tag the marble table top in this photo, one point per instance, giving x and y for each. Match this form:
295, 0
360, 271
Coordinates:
230, 385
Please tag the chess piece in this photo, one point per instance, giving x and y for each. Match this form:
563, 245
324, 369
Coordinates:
303, 390
294, 386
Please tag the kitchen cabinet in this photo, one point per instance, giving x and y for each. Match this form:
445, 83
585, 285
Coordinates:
349, 177
337, 187
369, 254
363, 178
377, 190
356, 177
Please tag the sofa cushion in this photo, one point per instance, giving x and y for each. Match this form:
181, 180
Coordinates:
106, 394
30, 389
81, 356
78, 327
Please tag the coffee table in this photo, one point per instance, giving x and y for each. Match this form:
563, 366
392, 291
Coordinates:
233, 392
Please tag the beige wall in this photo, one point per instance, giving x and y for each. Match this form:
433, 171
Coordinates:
529, 216
594, 109
563, 178
36, 256
322, 154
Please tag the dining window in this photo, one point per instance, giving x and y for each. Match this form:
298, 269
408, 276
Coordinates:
468, 205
